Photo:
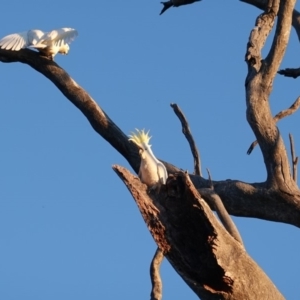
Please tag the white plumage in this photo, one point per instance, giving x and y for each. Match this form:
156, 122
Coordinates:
48, 43
152, 172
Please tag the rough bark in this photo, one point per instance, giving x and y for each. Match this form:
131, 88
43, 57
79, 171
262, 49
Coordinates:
259, 84
205, 255
215, 201
209, 259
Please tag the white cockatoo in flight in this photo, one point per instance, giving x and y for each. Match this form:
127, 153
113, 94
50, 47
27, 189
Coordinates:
152, 172
48, 43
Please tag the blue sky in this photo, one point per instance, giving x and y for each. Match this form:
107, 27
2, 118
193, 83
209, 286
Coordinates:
69, 228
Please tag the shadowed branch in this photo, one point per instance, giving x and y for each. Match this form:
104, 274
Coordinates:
156, 292
240, 198
195, 243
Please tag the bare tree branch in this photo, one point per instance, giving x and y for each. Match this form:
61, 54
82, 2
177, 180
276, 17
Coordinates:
252, 146
287, 112
209, 258
240, 199
284, 113
187, 133
98, 119
258, 87
280, 40
211, 184
205, 255
294, 158
156, 292
258, 36
262, 4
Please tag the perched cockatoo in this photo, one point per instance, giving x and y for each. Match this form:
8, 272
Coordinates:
175, 3
48, 43
152, 172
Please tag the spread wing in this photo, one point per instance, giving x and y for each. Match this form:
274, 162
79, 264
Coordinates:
38, 39
15, 41
60, 36
34, 36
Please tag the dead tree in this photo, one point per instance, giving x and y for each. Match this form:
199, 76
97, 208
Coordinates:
208, 257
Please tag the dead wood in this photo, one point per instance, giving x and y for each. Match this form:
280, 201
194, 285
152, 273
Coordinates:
205, 255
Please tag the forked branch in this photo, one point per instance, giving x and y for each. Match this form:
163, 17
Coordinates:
259, 83
284, 113
240, 198
262, 4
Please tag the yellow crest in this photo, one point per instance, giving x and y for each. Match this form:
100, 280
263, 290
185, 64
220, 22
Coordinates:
141, 138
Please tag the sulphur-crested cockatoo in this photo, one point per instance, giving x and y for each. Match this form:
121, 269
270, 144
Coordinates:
152, 172
48, 43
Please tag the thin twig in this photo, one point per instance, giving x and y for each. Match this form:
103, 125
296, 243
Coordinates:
210, 180
187, 132
294, 157
252, 146
289, 111
284, 113
156, 292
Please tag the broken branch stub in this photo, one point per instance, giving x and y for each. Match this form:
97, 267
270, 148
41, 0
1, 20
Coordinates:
205, 255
